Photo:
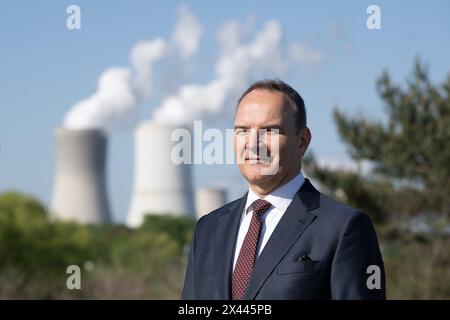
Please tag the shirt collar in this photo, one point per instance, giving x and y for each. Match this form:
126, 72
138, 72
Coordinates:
280, 198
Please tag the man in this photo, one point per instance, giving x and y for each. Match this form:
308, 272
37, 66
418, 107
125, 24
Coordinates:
283, 239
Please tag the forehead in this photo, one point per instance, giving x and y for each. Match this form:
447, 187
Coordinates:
262, 105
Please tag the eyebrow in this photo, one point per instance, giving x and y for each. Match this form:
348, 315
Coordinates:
267, 126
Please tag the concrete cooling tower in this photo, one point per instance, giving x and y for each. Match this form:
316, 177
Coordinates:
209, 199
79, 192
160, 186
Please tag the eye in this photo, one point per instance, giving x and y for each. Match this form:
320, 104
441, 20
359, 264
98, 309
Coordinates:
273, 131
241, 131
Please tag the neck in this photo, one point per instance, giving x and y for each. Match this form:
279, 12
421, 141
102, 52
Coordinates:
264, 190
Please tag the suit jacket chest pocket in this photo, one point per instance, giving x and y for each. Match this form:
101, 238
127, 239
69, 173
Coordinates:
301, 267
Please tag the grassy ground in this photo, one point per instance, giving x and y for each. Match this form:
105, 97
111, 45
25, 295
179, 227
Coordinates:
417, 266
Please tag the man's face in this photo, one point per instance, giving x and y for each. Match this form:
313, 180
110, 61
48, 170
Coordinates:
264, 126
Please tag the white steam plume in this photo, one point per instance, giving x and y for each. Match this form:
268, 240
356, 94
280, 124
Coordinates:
187, 33
120, 90
238, 64
305, 54
114, 99
143, 55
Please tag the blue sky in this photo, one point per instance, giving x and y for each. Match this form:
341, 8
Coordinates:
45, 69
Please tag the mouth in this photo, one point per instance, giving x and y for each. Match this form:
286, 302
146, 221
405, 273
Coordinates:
259, 159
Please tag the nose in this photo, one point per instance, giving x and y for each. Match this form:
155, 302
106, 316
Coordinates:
253, 142
256, 143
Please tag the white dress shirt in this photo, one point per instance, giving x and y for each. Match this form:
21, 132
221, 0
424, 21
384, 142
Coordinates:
280, 199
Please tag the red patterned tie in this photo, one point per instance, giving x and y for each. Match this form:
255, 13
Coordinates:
247, 255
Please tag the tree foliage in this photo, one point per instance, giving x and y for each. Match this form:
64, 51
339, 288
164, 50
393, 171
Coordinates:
116, 262
410, 152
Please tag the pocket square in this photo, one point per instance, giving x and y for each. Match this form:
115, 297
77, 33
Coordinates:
303, 258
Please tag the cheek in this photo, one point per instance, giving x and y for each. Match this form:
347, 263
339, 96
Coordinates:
287, 150
238, 145
277, 145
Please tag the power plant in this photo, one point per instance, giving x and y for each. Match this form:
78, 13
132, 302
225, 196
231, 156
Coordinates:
160, 186
208, 199
79, 191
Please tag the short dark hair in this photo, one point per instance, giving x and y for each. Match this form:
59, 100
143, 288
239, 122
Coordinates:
290, 94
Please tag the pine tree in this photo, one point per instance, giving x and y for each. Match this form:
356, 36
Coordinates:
410, 152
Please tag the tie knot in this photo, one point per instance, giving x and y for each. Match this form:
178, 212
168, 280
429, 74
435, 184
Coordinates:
260, 206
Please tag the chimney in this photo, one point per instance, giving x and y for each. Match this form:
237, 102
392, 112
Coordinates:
160, 186
79, 191
209, 199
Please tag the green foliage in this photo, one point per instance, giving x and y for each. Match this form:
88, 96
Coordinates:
350, 187
178, 229
148, 263
410, 153
416, 264
116, 262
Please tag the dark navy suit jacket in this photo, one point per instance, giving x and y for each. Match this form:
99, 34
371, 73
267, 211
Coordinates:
340, 244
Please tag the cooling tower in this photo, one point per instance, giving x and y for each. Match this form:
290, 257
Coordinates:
160, 186
208, 199
79, 192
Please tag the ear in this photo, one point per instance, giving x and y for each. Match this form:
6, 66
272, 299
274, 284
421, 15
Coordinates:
304, 139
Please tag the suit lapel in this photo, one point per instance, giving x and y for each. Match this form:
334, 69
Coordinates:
226, 235
293, 223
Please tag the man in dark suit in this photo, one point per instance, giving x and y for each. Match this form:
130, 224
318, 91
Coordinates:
283, 239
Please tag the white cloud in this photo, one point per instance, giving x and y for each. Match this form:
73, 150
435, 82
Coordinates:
143, 55
234, 70
338, 33
121, 89
336, 29
305, 54
245, 56
232, 33
113, 102
187, 33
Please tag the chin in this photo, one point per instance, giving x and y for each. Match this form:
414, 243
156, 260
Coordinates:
253, 175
